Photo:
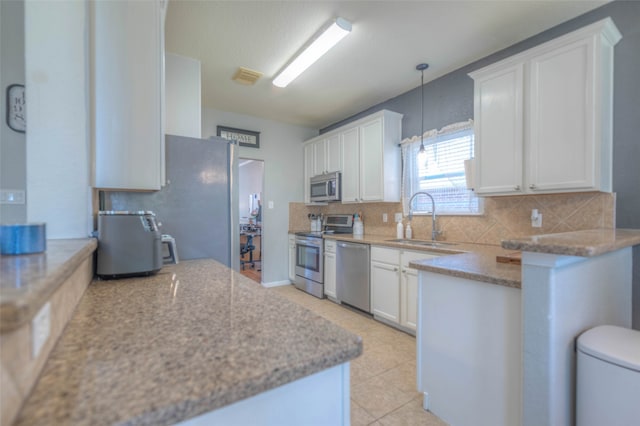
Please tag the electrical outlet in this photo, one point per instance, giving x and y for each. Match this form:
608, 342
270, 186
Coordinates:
385, 217
536, 219
398, 217
40, 329
270, 204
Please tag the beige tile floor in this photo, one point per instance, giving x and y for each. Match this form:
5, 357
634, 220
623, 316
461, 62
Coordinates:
383, 378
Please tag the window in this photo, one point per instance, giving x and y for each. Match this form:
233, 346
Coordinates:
440, 171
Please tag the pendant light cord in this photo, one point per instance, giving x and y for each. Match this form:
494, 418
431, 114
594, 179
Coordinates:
421, 68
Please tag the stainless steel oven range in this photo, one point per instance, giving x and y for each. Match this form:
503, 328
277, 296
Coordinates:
310, 263
310, 253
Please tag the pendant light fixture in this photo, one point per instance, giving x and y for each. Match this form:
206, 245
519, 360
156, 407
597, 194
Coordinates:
422, 152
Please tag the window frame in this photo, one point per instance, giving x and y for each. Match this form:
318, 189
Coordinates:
410, 149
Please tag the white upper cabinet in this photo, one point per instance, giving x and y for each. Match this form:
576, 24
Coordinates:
365, 152
350, 156
326, 155
499, 125
127, 43
543, 118
321, 155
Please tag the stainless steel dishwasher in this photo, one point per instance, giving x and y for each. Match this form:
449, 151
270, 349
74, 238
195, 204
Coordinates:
352, 275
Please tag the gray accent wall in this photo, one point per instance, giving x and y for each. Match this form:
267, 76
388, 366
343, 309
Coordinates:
450, 98
13, 153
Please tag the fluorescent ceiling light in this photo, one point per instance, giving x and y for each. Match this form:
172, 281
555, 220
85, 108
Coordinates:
332, 35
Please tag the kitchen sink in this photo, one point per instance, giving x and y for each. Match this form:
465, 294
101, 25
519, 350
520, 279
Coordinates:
424, 243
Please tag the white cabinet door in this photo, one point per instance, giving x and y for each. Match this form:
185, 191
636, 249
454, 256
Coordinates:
562, 147
385, 292
409, 288
409, 299
128, 86
351, 165
371, 161
309, 158
499, 135
292, 258
330, 274
320, 158
334, 154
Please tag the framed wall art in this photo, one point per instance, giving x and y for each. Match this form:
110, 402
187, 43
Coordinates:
246, 138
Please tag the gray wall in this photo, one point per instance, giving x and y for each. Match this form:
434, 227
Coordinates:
450, 98
13, 169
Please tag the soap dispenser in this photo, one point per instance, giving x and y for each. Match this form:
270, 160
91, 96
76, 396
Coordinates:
408, 231
399, 230
358, 227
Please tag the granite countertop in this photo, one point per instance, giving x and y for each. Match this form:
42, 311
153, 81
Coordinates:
477, 265
587, 243
466, 260
27, 281
195, 337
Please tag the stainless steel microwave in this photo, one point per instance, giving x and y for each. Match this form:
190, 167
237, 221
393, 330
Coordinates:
325, 187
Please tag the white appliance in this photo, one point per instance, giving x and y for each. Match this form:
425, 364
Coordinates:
608, 377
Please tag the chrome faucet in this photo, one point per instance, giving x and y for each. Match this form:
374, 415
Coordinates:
434, 231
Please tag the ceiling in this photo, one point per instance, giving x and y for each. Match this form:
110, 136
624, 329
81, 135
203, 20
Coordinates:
374, 63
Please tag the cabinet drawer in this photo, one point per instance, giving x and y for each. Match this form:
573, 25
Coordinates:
330, 246
386, 255
410, 256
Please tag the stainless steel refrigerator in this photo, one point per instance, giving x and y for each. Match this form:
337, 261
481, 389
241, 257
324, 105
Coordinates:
198, 206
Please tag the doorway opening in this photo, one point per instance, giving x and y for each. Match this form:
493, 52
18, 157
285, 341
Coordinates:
250, 190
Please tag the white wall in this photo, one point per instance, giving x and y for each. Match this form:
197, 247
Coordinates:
57, 92
281, 150
13, 163
183, 96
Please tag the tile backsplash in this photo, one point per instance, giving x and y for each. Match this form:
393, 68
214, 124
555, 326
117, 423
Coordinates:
503, 217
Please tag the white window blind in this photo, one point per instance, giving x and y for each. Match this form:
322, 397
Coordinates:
439, 171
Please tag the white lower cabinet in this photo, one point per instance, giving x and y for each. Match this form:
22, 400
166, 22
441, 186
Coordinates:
330, 269
409, 288
292, 258
385, 290
394, 286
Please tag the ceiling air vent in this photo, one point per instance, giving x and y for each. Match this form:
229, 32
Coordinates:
246, 76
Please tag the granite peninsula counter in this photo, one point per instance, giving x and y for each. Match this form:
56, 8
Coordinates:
193, 338
466, 260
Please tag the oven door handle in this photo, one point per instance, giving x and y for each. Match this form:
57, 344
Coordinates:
308, 242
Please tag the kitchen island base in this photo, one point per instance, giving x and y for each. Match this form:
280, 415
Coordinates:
469, 350
316, 400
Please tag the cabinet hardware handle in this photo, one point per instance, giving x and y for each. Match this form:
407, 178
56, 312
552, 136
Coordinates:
517, 188
532, 186
395, 269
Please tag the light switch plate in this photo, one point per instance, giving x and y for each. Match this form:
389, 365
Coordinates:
40, 329
270, 204
385, 217
12, 196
